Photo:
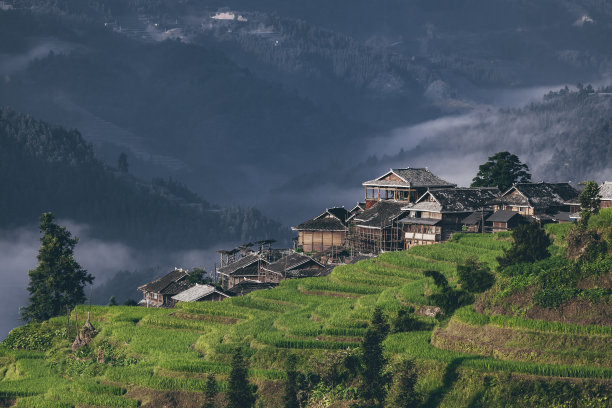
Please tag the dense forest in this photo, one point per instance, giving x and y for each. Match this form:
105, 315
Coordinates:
184, 91
48, 168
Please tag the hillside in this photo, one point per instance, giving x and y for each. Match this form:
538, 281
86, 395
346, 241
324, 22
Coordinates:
155, 357
184, 93
48, 168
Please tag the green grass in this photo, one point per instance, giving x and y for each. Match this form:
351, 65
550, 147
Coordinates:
468, 315
175, 349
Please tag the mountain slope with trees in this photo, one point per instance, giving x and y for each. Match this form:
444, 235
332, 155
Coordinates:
48, 168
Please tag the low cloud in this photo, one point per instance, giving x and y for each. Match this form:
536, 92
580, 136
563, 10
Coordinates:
103, 259
11, 63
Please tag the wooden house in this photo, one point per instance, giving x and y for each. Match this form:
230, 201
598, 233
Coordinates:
295, 265
440, 212
405, 185
605, 195
376, 229
357, 209
159, 292
248, 267
532, 199
247, 286
505, 220
325, 231
200, 293
476, 222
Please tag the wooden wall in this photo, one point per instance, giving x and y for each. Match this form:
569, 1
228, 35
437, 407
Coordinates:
319, 241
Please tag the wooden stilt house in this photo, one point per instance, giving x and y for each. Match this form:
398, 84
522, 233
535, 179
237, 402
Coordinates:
405, 184
325, 231
440, 212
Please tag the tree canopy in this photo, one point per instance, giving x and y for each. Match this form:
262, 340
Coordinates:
58, 280
530, 244
240, 393
502, 170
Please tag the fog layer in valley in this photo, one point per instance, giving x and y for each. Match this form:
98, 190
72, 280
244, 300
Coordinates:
18, 250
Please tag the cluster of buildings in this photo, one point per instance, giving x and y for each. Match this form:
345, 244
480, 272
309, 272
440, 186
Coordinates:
401, 208
412, 206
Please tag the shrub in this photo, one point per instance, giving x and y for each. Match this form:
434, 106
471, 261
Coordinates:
32, 336
530, 244
474, 276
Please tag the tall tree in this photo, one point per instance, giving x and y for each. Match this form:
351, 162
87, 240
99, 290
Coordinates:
402, 393
502, 170
589, 199
290, 398
240, 393
372, 388
530, 244
210, 392
58, 280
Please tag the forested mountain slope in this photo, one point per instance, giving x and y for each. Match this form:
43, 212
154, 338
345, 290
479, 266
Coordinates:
48, 168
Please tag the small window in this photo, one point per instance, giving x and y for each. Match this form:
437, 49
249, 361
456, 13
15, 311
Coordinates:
155, 296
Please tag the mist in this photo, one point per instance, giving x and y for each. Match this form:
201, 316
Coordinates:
103, 259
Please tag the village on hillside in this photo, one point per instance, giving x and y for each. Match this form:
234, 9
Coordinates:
402, 208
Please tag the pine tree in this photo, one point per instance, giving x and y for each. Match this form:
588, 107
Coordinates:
291, 387
58, 280
373, 383
240, 393
402, 393
210, 392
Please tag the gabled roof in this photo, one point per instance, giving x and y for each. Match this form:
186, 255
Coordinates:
455, 200
339, 212
476, 217
196, 293
503, 216
243, 262
247, 286
539, 195
359, 207
605, 190
169, 284
383, 213
419, 221
290, 262
410, 177
332, 219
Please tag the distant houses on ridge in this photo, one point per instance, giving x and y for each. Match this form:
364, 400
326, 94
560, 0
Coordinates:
402, 208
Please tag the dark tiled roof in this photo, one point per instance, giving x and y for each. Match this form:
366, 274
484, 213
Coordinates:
412, 178
605, 190
476, 217
248, 286
383, 213
241, 263
562, 216
339, 212
419, 221
502, 216
290, 262
333, 219
463, 199
321, 224
166, 283
540, 195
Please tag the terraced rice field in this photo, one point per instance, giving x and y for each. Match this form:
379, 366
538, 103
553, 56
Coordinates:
175, 349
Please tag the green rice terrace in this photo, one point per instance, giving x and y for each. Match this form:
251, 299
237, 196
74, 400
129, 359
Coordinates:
524, 342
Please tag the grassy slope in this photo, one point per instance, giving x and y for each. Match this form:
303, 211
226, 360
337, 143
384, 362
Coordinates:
145, 351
